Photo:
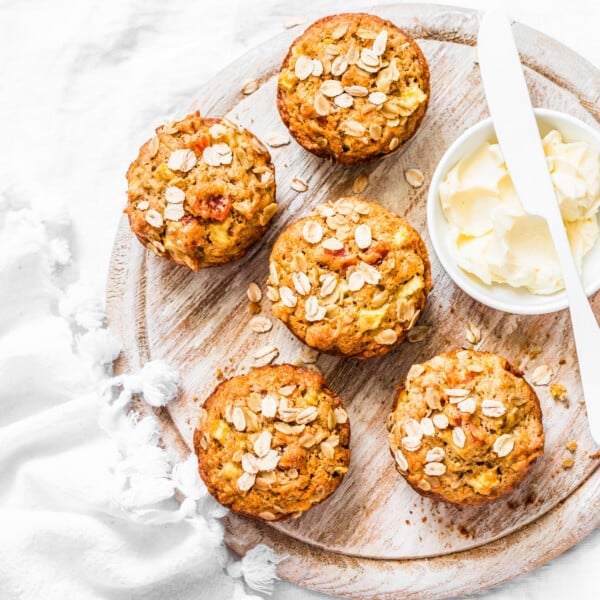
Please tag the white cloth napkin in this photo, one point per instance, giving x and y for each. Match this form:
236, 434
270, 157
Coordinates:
87, 505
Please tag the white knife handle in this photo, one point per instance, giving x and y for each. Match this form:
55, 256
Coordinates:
586, 331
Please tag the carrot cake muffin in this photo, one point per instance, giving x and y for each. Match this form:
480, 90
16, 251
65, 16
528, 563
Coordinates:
349, 279
273, 443
353, 87
201, 191
466, 427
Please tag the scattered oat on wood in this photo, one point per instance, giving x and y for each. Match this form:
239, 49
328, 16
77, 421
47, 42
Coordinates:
253, 292
249, 86
275, 139
414, 177
542, 375
473, 334
260, 324
265, 355
417, 334
298, 184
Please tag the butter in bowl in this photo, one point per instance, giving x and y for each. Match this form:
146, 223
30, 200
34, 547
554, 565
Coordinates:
484, 239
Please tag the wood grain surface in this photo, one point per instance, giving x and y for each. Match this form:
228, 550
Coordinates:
375, 537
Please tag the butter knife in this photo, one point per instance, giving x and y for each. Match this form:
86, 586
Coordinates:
519, 139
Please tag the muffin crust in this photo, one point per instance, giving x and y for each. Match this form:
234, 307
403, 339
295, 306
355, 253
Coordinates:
466, 427
273, 443
201, 192
353, 87
349, 279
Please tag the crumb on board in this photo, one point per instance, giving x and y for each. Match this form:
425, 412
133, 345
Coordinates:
534, 352
572, 446
219, 373
567, 462
558, 392
254, 307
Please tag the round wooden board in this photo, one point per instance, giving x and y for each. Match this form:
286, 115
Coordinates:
375, 537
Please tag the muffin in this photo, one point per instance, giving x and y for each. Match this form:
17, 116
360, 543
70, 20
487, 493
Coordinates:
350, 279
273, 443
353, 87
201, 192
466, 427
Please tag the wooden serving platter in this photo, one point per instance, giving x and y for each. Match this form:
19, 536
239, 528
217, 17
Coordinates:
375, 537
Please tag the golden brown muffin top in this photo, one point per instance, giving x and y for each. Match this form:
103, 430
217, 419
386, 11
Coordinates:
353, 87
466, 427
351, 278
274, 442
201, 191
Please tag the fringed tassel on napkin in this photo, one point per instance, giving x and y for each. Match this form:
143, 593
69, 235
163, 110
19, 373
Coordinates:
258, 567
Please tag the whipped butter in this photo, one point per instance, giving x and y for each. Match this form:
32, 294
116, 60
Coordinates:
492, 236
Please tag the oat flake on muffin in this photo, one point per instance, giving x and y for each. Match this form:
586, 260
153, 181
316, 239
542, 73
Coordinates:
201, 191
273, 443
349, 279
353, 87
466, 427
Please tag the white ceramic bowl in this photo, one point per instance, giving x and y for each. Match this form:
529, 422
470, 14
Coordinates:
502, 296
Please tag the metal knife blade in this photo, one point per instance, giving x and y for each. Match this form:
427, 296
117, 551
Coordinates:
512, 114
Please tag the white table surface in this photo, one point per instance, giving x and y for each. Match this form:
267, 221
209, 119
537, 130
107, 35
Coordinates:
84, 83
